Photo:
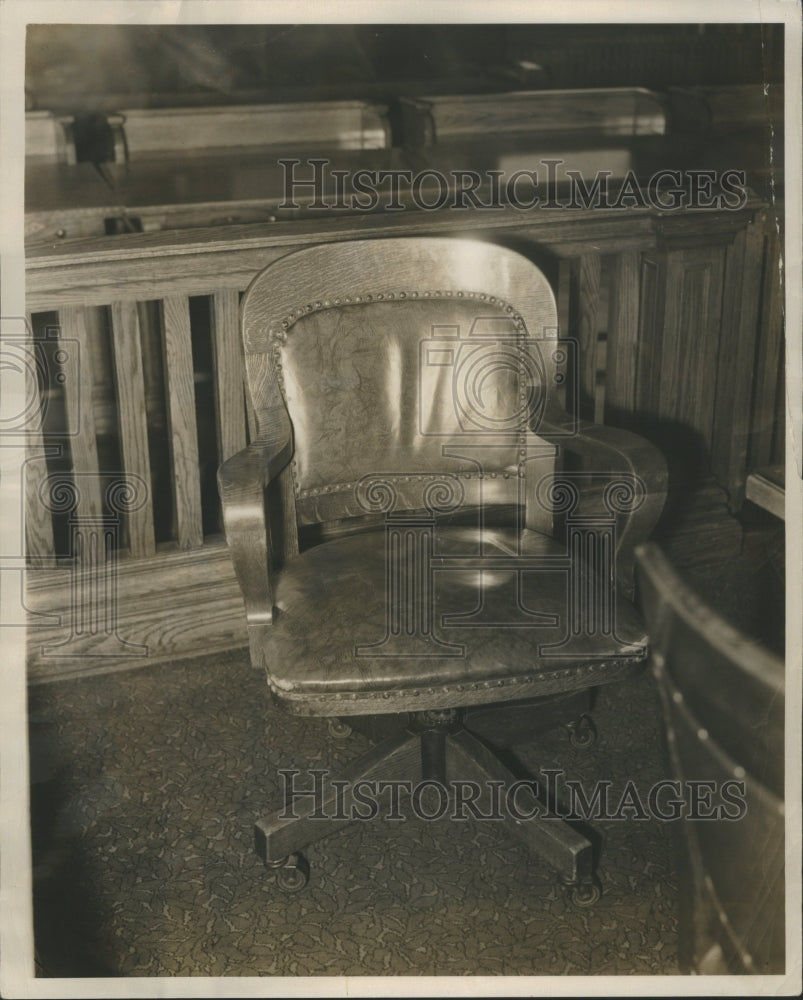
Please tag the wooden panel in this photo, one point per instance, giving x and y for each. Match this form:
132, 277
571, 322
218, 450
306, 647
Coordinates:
623, 345
690, 342
80, 412
99, 347
586, 326
183, 432
39, 546
131, 420
221, 261
769, 405
685, 334
563, 301
176, 604
229, 384
650, 335
735, 372
97, 271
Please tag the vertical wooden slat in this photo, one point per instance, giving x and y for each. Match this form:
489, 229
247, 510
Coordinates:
778, 453
183, 434
39, 544
133, 426
650, 335
100, 353
623, 346
250, 413
735, 371
563, 301
688, 360
77, 370
587, 326
229, 384
768, 408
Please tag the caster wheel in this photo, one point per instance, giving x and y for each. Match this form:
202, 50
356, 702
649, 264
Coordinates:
292, 872
338, 730
583, 733
585, 893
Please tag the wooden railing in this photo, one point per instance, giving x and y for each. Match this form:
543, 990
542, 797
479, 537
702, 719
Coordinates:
677, 318
118, 423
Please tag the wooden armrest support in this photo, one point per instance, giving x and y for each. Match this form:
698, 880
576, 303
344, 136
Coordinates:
610, 452
251, 469
242, 480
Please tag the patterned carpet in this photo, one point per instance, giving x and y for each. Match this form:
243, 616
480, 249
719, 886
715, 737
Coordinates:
145, 788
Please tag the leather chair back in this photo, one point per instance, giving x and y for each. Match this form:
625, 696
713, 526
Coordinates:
400, 361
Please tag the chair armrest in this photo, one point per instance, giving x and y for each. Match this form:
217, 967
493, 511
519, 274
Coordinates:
248, 472
242, 480
601, 456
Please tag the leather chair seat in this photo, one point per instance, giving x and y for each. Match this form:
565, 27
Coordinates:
324, 650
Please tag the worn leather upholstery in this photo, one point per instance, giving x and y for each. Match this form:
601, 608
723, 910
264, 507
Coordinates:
387, 388
332, 600
386, 376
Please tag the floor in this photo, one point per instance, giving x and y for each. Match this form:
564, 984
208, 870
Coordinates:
145, 788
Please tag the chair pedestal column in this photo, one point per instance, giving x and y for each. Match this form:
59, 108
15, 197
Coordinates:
433, 726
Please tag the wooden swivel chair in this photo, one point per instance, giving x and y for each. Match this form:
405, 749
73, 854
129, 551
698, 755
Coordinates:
421, 533
723, 700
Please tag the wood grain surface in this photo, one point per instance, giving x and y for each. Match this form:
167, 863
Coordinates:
183, 433
131, 419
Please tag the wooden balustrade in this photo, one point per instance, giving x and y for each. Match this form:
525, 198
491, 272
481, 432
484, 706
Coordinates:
677, 316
